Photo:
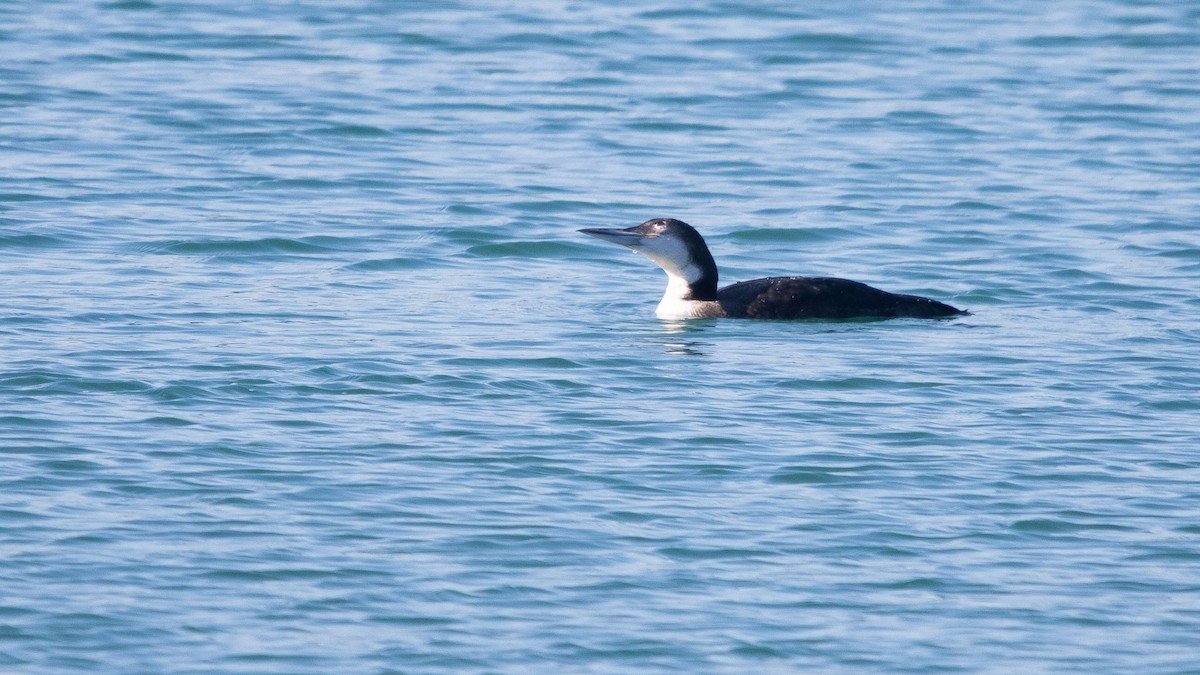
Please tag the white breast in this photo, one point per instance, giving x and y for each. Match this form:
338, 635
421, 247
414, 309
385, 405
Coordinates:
674, 306
681, 309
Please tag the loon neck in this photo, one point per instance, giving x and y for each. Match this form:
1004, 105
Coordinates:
692, 285
702, 272
684, 300
704, 288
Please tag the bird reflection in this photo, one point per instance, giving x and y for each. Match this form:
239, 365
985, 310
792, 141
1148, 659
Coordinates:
672, 332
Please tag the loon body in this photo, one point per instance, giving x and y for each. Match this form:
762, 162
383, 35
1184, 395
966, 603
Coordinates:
692, 291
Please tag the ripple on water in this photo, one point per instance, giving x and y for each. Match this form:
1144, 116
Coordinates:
525, 249
788, 235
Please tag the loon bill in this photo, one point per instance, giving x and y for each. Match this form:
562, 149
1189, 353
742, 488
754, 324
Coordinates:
692, 291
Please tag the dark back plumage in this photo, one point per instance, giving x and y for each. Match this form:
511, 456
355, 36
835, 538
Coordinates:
823, 298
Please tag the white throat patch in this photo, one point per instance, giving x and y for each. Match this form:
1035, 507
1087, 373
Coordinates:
670, 254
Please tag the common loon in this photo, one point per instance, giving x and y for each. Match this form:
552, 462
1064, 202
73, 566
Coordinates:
692, 291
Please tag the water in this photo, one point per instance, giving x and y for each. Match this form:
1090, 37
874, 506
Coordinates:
305, 369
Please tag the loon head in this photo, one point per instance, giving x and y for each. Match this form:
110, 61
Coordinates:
674, 246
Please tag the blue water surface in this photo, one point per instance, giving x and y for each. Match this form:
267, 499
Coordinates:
305, 369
